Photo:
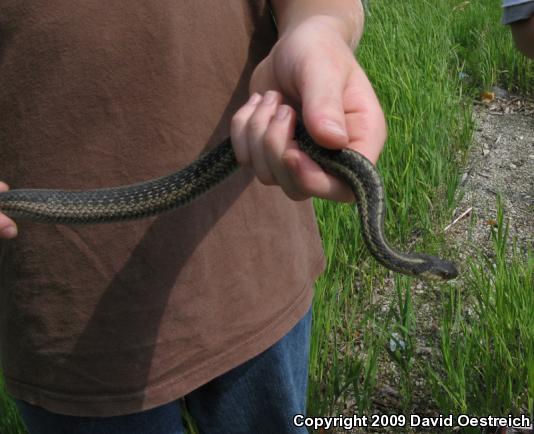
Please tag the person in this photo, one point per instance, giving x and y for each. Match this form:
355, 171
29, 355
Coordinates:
519, 14
105, 327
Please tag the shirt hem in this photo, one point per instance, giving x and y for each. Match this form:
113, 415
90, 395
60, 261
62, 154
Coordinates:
168, 391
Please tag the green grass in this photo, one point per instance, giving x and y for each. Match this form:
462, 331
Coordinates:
486, 50
408, 53
417, 54
488, 354
10, 422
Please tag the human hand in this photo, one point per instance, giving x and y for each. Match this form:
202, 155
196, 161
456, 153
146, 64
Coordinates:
314, 70
8, 228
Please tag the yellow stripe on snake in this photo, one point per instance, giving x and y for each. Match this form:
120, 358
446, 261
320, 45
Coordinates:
152, 197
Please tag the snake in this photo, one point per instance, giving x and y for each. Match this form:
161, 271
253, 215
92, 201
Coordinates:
151, 197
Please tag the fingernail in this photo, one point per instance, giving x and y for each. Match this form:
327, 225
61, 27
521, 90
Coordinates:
281, 112
270, 97
334, 128
9, 232
255, 98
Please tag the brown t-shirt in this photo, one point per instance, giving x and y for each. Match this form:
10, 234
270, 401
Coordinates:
112, 319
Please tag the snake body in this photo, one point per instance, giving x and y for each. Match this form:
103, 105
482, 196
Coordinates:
155, 196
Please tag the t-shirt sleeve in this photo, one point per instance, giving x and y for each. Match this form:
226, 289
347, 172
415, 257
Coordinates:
517, 10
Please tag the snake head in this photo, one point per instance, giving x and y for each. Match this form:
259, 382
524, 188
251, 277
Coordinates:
438, 269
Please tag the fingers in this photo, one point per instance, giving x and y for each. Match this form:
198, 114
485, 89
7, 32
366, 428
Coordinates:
298, 175
238, 129
261, 131
258, 125
369, 138
8, 228
278, 142
366, 123
322, 102
311, 180
262, 135
352, 99
339, 105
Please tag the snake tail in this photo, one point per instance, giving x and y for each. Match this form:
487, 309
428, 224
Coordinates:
128, 202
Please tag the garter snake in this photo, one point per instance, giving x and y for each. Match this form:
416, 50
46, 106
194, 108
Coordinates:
151, 197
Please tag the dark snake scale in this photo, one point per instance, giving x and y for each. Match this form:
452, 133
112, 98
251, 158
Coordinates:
155, 196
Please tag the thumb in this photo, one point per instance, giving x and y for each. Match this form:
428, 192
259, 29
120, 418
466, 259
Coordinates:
322, 107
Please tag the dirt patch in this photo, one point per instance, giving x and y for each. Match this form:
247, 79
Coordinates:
501, 162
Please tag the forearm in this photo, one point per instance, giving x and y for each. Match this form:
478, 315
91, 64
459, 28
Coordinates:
345, 15
523, 32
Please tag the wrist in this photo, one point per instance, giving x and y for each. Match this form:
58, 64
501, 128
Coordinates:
345, 19
348, 28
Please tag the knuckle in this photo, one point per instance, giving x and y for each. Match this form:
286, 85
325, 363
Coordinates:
238, 119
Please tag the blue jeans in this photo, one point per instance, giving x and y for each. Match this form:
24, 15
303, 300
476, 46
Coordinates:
260, 396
